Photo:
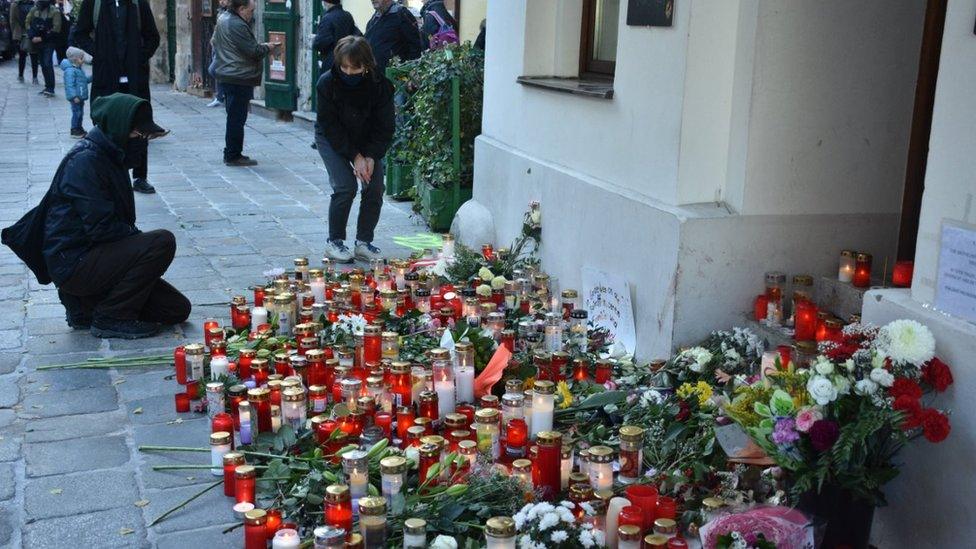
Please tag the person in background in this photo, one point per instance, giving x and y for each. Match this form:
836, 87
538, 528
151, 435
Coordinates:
240, 65
18, 31
83, 237
392, 32
436, 20
43, 29
75, 88
479, 42
218, 100
121, 35
353, 130
334, 25
61, 45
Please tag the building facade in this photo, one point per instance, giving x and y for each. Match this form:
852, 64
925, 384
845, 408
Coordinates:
714, 140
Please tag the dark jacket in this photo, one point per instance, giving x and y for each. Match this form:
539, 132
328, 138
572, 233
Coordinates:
430, 23
119, 46
334, 25
238, 57
393, 33
89, 202
44, 24
355, 120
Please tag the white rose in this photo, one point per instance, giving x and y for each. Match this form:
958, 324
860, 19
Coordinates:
498, 283
865, 387
824, 367
842, 384
483, 290
882, 377
821, 390
485, 274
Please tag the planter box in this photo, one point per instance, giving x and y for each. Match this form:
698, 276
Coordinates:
399, 179
437, 206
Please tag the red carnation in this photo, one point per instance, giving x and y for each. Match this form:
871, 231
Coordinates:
935, 425
823, 434
684, 411
912, 409
906, 387
937, 374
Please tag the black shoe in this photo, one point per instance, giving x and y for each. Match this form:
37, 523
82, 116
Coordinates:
241, 161
314, 146
20, 78
76, 314
78, 133
140, 185
106, 327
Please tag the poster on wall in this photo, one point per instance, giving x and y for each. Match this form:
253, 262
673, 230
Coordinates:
276, 60
650, 13
206, 8
955, 287
608, 304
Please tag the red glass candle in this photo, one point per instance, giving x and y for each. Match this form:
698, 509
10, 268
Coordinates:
244, 478
208, 326
260, 370
517, 437
543, 366
259, 296
666, 507
558, 365
631, 515
508, 340
400, 384
760, 307
550, 444
338, 507
862, 270
231, 461
316, 372
223, 422
833, 330
603, 371
372, 344
182, 402
260, 400
428, 405
785, 354
580, 369
255, 531
805, 321
429, 455
645, 498
468, 411
244, 358
384, 420
405, 417
274, 523
821, 332
179, 362
901, 276
281, 365
487, 251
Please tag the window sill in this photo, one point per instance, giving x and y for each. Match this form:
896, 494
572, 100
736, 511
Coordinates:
600, 89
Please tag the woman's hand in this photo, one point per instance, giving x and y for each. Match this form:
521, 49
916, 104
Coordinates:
361, 169
370, 165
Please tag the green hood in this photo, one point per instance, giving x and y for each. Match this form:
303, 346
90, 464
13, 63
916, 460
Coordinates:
113, 114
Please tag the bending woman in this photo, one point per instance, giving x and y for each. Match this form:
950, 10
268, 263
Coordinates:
353, 130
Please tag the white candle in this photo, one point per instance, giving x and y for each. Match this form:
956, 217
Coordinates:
219, 445
218, 367
566, 467
355, 465
275, 418
445, 396
447, 249
286, 538
465, 383
317, 286
543, 403
527, 409
244, 413
613, 512
259, 316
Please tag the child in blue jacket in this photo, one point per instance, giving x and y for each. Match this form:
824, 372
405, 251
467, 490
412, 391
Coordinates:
75, 88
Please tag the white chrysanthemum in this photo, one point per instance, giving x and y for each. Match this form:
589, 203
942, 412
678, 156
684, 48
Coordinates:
498, 283
882, 377
586, 538
907, 341
485, 274
535, 217
548, 520
599, 538
567, 504
587, 508
483, 290
822, 390
849, 365
865, 387
559, 536
565, 515
352, 324
443, 542
525, 541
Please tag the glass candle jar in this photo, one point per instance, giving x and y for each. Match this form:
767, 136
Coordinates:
469, 450
260, 400
260, 370
351, 390
338, 507
862, 270
802, 290
293, 409
833, 330
393, 470
543, 402
447, 245
565, 466
247, 422
500, 533
522, 470
655, 541
631, 453
230, 462
404, 420
329, 537
430, 454
775, 281
512, 407
220, 443
601, 467
628, 537
603, 370
667, 508
554, 332
318, 397
400, 383
355, 464
549, 460
414, 533
244, 479
488, 432
428, 406
420, 381
372, 522
805, 321
223, 422
255, 531
215, 399
372, 343
390, 345
845, 271
517, 438
579, 494
194, 361
421, 300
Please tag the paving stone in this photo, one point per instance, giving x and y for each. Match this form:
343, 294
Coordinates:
9, 362
145, 384
74, 426
80, 454
75, 340
6, 526
7, 417
7, 481
64, 380
100, 529
9, 393
10, 339
9, 445
191, 432
82, 401
212, 538
212, 508
86, 492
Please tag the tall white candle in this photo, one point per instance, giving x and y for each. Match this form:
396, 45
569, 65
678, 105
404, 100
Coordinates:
445, 396
219, 445
613, 513
465, 383
543, 403
259, 316
356, 467
218, 366
317, 286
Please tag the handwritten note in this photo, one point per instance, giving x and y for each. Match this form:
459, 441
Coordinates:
608, 304
955, 289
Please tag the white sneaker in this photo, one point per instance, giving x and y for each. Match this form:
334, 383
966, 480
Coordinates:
215, 103
367, 252
338, 252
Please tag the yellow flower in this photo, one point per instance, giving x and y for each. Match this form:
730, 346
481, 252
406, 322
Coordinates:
562, 389
701, 389
528, 383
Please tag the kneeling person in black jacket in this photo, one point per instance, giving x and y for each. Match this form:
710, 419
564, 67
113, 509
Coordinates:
83, 236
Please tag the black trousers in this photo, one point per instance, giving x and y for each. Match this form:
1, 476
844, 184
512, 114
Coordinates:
237, 103
22, 56
121, 280
141, 165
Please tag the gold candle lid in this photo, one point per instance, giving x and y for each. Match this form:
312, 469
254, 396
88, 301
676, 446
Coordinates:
293, 395
522, 465
656, 540
544, 387
455, 419
440, 354
631, 433
393, 465
665, 525
233, 458
467, 446
436, 440
256, 517
549, 438
415, 526
372, 506
219, 437
628, 532
244, 471
713, 503
486, 415
500, 527
193, 349
258, 395
601, 454
337, 493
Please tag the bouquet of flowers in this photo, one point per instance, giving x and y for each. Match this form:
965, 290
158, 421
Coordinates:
761, 527
726, 358
547, 526
841, 419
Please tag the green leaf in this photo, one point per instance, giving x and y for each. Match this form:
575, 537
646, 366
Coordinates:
781, 403
762, 409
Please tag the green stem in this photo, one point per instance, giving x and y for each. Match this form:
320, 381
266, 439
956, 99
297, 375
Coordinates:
272, 456
180, 467
232, 528
147, 448
191, 498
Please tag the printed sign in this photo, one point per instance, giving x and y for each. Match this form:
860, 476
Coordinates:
609, 307
650, 13
276, 61
955, 288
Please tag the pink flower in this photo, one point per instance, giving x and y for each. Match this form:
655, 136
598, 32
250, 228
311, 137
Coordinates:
610, 386
806, 418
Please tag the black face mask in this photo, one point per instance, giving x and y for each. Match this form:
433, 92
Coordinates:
134, 147
351, 79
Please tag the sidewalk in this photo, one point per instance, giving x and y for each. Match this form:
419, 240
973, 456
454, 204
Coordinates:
69, 472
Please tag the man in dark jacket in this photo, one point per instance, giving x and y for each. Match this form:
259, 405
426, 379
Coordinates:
392, 32
121, 41
82, 236
334, 25
431, 25
239, 65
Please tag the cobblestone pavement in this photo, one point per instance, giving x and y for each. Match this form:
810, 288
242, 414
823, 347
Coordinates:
70, 475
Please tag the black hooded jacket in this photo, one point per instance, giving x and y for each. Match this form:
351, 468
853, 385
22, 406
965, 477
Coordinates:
121, 43
90, 200
355, 119
335, 24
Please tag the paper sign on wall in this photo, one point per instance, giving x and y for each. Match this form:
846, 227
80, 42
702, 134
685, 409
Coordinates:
955, 288
608, 304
